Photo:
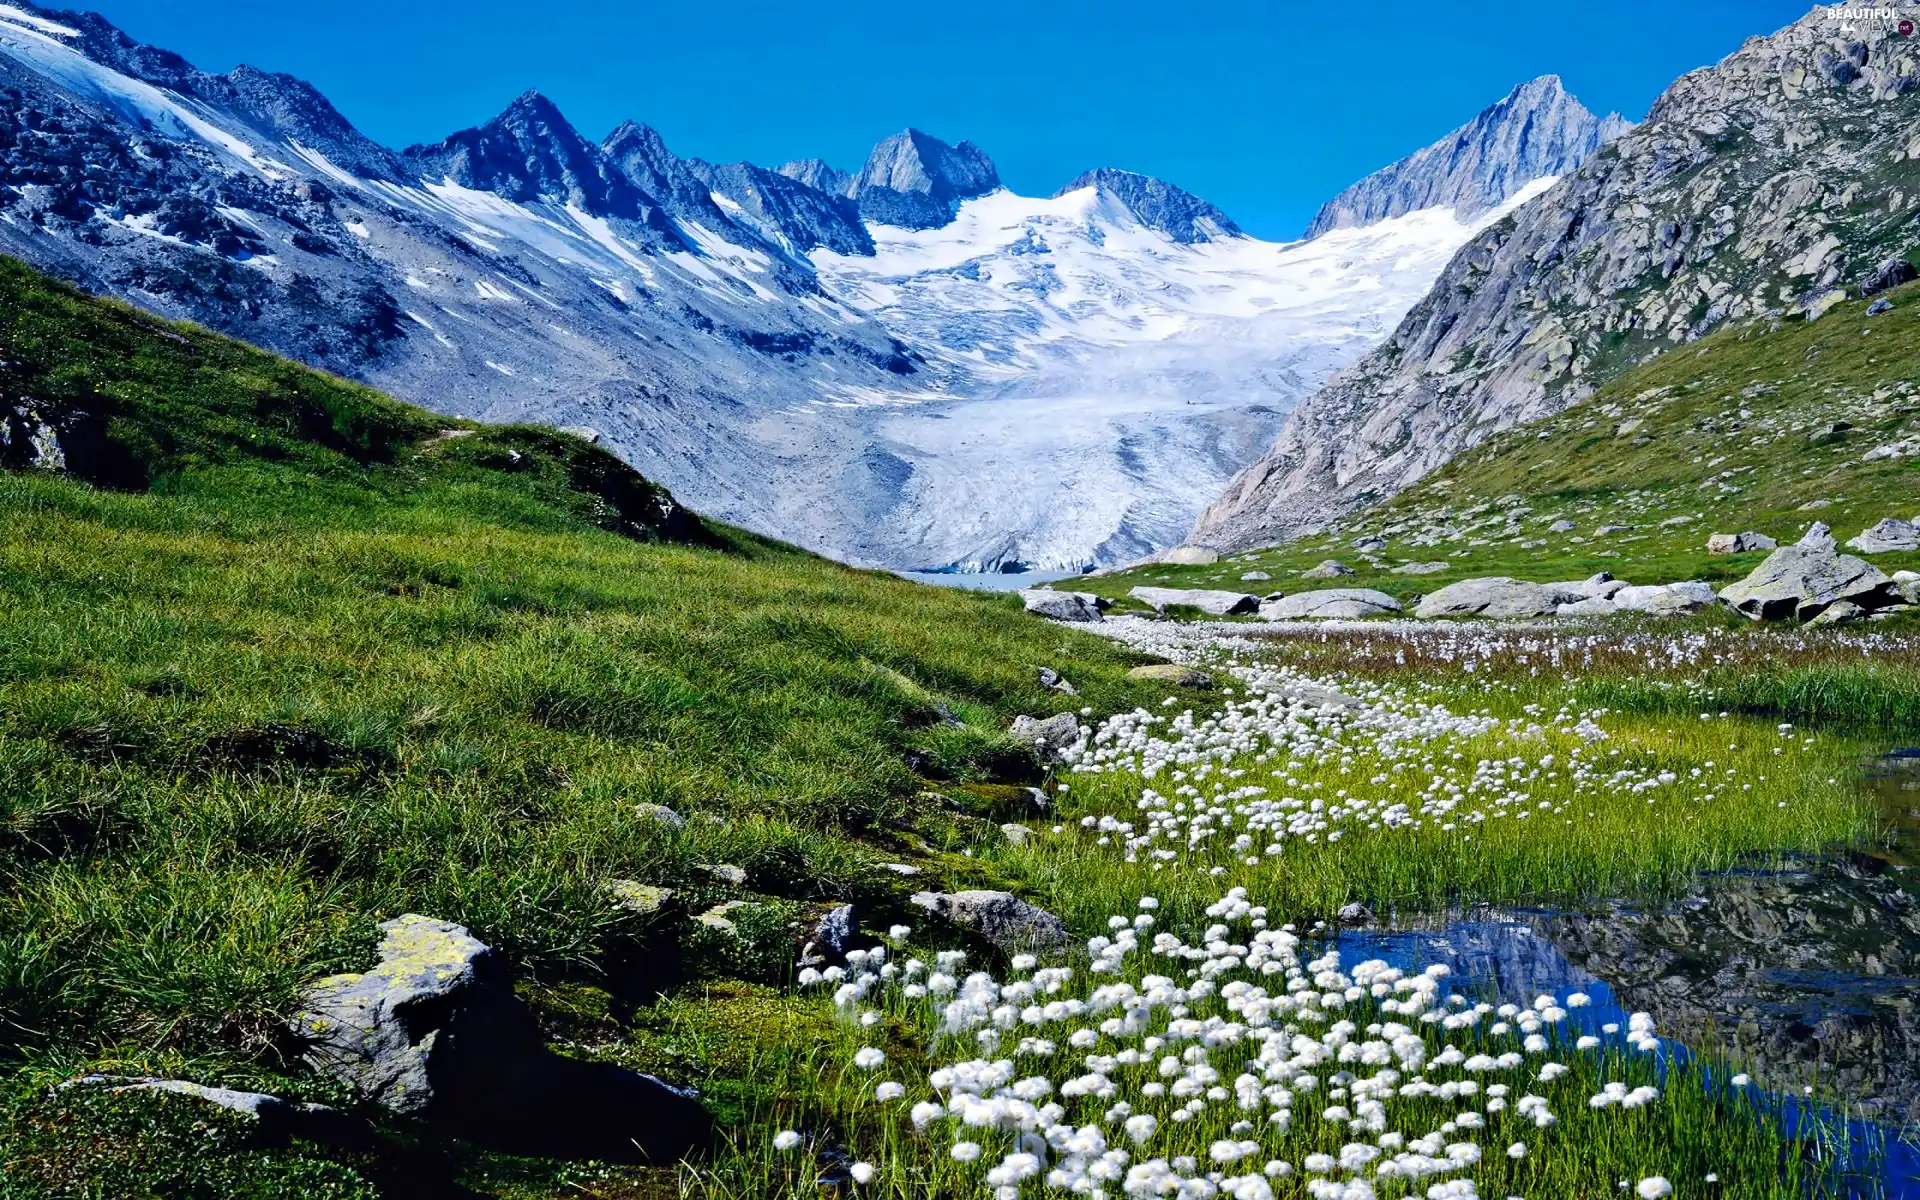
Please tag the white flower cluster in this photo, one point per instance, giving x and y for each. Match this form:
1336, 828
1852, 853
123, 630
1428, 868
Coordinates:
1209, 1069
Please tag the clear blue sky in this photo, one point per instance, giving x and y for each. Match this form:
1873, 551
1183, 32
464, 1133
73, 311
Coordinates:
1266, 109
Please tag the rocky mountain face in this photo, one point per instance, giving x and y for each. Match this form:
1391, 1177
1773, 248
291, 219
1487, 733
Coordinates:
906, 366
1766, 187
1181, 216
917, 182
1537, 130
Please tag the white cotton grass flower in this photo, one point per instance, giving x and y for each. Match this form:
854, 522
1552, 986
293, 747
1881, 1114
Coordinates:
889, 1091
786, 1140
1653, 1188
862, 1172
965, 1152
869, 1058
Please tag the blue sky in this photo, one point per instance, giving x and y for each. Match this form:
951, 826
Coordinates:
1266, 109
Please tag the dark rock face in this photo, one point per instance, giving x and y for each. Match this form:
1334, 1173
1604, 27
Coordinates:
1537, 130
529, 153
917, 181
1159, 205
787, 209
1729, 203
435, 1031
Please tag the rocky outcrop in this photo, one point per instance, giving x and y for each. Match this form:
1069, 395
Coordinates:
1218, 603
1757, 188
1801, 580
1887, 537
1001, 919
435, 1031
915, 180
1330, 602
1060, 606
1537, 130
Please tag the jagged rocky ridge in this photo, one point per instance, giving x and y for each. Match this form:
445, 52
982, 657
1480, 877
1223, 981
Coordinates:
1536, 130
1067, 387
1766, 187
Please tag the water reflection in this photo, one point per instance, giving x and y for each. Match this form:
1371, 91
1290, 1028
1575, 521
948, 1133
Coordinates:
1806, 975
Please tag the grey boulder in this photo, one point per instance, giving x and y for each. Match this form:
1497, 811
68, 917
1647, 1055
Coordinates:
1421, 568
1592, 606
1060, 606
1739, 543
1190, 556
1050, 738
1801, 580
1887, 537
1332, 568
1218, 603
1497, 596
434, 1030
1001, 919
1665, 599
1330, 602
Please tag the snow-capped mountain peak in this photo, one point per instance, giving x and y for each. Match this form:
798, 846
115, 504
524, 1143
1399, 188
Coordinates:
1159, 205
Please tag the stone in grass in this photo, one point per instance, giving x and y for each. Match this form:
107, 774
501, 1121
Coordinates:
1330, 602
1420, 568
661, 814
1002, 919
1172, 673
1052, 680
435, 1031
1497, 596
1060, 606
1217, 603
1050, 738
1840, 612
1562, 526
726, 873
638, 899
1190, 556
275, 1118
1739, 543
1332, 568
1592, 606
1353, 914
1666, 599
1017, 834
1886, 537
1255, 577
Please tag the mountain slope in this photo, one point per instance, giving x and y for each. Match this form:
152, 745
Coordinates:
1536, 130
1766, 187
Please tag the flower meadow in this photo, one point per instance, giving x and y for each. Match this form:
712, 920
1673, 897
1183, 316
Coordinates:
1209, 1040
1247, 1061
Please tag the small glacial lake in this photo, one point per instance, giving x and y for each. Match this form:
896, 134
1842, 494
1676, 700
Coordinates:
1804, 974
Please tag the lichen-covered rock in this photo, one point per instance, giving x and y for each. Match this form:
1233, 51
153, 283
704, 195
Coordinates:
435, 1031
1000, 918
1330, 602
1179, 676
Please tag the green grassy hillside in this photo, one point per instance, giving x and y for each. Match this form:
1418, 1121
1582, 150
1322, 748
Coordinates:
1733, 433
281, 657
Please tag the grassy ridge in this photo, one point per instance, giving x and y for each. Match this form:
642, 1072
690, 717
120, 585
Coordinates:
1725, 435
